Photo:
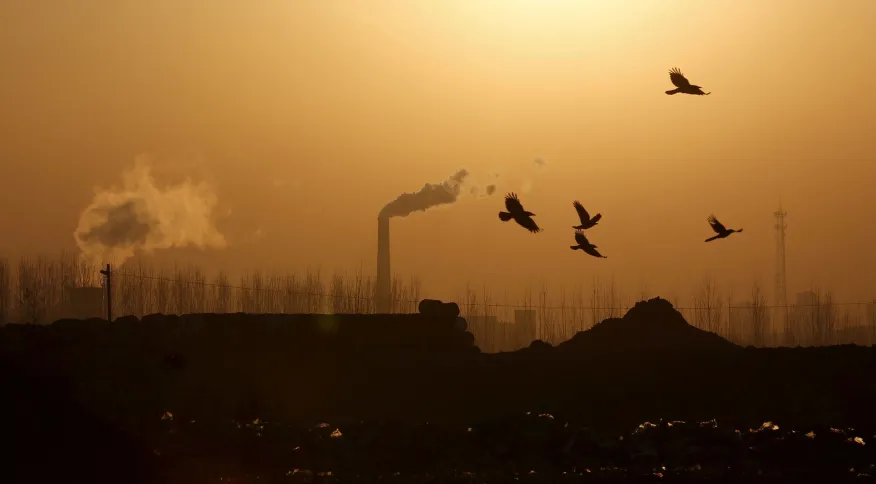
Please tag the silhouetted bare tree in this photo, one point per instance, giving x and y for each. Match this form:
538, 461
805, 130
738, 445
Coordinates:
871, 320
733, 330
759, 319
33, 289
5, 291
817, 316
222, 293
708, 308
313, 292
826, 320
605, 301
644, 291
338, 294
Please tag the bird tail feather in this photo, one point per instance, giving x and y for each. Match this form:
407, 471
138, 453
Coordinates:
674, 91
575, 247
504, 216
711, 238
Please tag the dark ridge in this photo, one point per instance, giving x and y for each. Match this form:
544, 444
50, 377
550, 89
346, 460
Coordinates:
649, 326
647, 365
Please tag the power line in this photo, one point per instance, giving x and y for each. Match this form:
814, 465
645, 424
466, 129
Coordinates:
329, 295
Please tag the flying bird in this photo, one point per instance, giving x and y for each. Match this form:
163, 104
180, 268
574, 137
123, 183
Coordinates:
718, 227
586, 221
518, 214
682, 85
585, 245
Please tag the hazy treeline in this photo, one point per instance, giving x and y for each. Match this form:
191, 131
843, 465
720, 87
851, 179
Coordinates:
746, 318
32, 290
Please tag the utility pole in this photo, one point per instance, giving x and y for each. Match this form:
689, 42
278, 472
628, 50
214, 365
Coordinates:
108, 273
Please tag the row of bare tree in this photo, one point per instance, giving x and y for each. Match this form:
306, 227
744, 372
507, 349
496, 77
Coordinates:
751, 321
33, 291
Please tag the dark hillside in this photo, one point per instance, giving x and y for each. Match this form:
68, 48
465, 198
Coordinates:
650, 364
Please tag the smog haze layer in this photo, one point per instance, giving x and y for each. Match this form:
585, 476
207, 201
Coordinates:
306, 118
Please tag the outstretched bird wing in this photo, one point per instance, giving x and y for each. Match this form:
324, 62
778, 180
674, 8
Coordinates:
581, 238
512, 203
528, 223
582, 212
592, 251
678, 78
716, 226
596, 218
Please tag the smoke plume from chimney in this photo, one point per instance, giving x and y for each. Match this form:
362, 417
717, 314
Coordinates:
140, 216
427, 197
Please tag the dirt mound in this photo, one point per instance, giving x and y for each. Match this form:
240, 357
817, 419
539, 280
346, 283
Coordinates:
51, 437
650, 326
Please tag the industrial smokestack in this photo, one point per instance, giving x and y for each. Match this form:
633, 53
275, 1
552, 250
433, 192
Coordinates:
384, 296
430, 195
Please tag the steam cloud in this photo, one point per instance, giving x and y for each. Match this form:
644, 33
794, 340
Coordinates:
488, 190
430, 195
141, 216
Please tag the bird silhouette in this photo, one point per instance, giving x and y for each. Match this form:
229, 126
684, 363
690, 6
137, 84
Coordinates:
585, 245
518, 214
586, 221
718, 227
682, 85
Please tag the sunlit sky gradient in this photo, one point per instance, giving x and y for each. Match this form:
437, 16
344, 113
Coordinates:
308, 116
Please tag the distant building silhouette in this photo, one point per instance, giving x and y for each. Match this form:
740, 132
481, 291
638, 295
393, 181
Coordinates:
525, 324
492, 334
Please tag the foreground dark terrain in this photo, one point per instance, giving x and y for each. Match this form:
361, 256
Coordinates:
409, 398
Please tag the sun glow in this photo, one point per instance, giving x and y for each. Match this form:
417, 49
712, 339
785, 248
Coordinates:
537, 24
550, 13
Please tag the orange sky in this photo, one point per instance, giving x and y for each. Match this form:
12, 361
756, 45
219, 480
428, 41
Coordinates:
308, 116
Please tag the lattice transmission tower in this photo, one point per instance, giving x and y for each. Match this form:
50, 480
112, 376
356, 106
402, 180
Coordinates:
781, 289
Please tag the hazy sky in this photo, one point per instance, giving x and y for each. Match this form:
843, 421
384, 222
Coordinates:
306, 117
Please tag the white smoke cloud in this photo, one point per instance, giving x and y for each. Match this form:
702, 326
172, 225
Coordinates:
141, 216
